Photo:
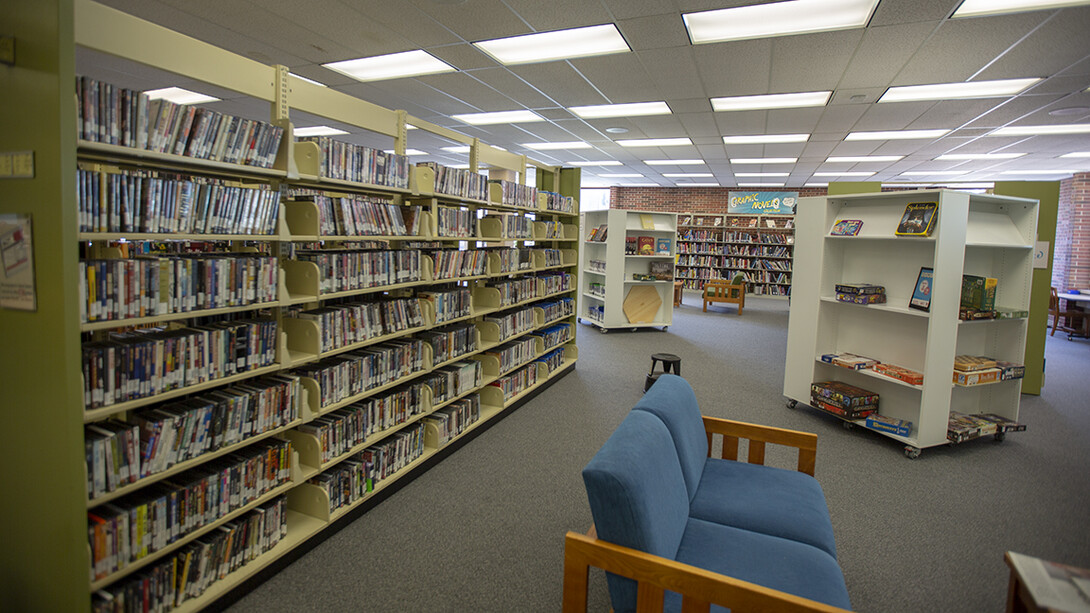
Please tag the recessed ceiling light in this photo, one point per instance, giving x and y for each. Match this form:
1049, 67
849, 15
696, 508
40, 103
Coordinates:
777, 19
950, 157
674, 162
763, 160
311, 81
863, 158
409, 152
575, 144
558, 45
487, 119
617, 130
654, 142
933, 173
854, 173
178, 95
317, 131
762, 174
1072, 128
949, 91
896, 135
975, 8
630, 109
391, 66
620, 175
1038, 172
1077, 154
599, 163
456, 149
761, 184
758, 139
771, 101
690, 175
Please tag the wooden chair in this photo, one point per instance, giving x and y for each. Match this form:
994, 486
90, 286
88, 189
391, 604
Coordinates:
724, 291
1071, 316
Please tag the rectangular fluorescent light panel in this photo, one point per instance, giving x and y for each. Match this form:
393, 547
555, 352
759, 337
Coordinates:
777, 19
896, 135
763, 160
761, 139
950, 91
760, 185
317, 131
488, 119
933, 173
178, 95
558, 45
311, 81
620, 175
976, 8
817, 185
1073, 128
697, 184
843, 174
391, 66
762, 174
408, 152
599, 163
1038, 172
863, 158
575, 144
690, 175
771, 101
456, 149
632, 109
952, 157
674, 162
654, 142
1077, 154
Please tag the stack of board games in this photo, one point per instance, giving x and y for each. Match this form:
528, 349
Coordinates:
962, 427
842, 399
860, 293
889, 424
900, 373
979, 370
849, 360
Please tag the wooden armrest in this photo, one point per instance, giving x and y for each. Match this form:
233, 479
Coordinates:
758, 436
699, 588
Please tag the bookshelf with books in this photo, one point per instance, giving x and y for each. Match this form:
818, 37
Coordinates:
243, 303
628, 269
719, 246
901, 301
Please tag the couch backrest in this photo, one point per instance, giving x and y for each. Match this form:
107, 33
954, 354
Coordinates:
672, 400
637, 495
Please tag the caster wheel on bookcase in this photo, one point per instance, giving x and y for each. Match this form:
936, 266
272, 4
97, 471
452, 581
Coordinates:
999, 436
847, 425
603, 330
665, 328
912, 452
792, 404
578, 320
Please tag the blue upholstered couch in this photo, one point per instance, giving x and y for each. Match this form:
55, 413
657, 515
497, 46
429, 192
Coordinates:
719, 531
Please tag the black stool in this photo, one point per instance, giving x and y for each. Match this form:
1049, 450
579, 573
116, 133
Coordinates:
670, 364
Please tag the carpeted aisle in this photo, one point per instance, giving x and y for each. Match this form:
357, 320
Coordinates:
483, 530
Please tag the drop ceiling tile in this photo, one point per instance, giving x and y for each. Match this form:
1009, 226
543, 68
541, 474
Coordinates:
631, 9
955, 113
784, 150
673, 72
486, 20
580, 130
559, 14
793, 121
737, 68
1058, 44
882, 53
559, 81
470, 91
812, 62
841, 118
1022, 110
961, 47
893, 116
555, 113
1075, 85
654, 32
658, 126
1080, 68
699, 124
334, 32
818, 150
742, 122
404, 93
689, 105
890, 12
516, 88
620, 78
462, 56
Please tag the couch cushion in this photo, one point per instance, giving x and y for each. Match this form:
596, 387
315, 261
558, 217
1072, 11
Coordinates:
637, 494
672, 400
774, 501
773, 562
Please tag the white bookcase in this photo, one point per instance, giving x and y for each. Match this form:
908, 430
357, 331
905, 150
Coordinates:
974, 234
603, 293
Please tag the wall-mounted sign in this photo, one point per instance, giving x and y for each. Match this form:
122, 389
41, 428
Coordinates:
762, 203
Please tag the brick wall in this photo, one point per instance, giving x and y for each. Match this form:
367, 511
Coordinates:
1078, 219
709, 200
1061, 252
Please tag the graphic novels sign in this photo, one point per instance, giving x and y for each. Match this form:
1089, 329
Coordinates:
762, 203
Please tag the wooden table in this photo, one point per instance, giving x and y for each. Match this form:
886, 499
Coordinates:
1080, 301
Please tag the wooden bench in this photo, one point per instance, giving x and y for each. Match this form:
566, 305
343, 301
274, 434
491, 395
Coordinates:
724, 291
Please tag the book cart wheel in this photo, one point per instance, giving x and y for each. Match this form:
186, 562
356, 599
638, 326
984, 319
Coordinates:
603, 330
665, 328
912, 452
792, 404
999, 436
847, 425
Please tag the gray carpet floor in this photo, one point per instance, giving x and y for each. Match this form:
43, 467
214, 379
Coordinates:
483, 530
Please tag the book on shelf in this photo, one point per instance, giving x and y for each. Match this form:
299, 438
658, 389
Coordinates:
921, 293
646, 221
918, 219
846, 227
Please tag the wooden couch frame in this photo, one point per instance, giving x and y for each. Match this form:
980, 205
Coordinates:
723, 291
699, 588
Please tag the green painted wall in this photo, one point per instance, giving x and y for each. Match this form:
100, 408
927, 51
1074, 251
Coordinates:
843, 188
44, 565
1048, 194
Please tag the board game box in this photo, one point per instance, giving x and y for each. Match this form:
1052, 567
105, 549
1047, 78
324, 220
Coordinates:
1010, 370
846, 227
973, 362
918, 219
844, 395
901, 373
859, 288
889, 424
849, 360
978, 293
861, 298
846, 413
976, 377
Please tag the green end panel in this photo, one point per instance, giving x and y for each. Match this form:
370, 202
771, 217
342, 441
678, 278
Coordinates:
843, 188
1047, 193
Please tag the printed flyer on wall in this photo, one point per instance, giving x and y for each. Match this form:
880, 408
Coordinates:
762, 203
16, 263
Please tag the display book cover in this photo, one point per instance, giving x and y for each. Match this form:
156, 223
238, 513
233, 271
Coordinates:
846, 227
921, 294
918, 219
646, 245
